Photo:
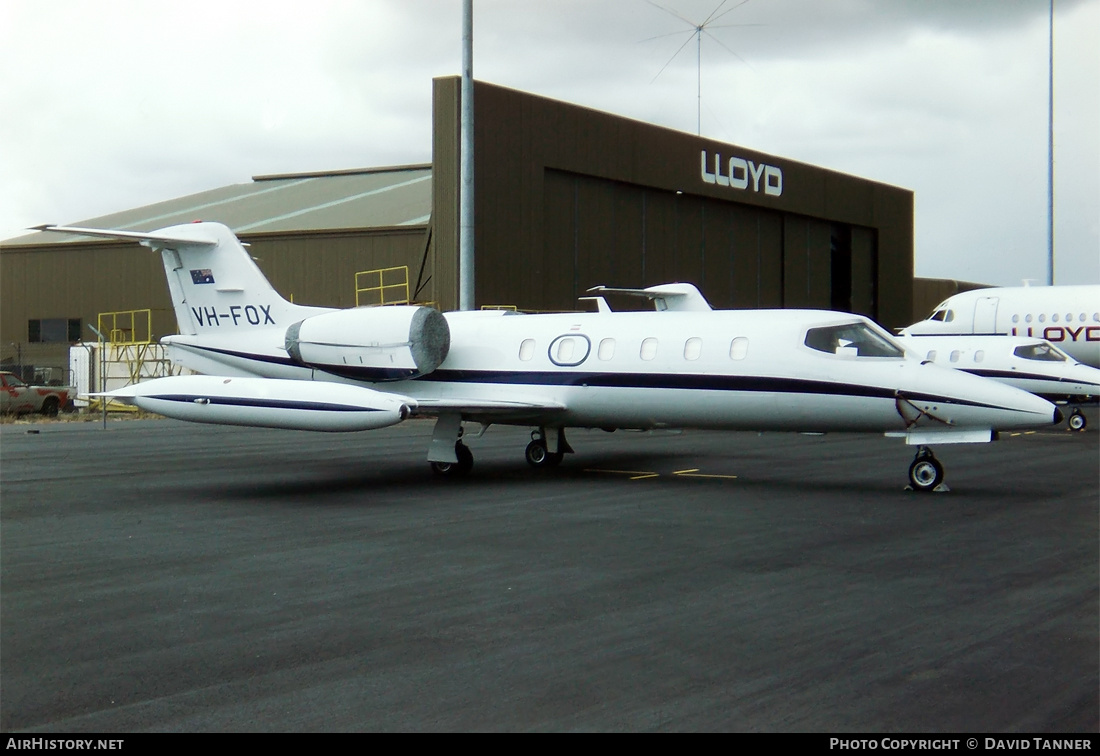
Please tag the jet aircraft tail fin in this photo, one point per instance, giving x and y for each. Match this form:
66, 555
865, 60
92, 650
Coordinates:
215, 285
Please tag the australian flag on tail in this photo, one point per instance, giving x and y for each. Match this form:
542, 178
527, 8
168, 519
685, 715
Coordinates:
203, 276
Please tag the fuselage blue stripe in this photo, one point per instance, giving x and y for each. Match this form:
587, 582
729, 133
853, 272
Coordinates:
625, 380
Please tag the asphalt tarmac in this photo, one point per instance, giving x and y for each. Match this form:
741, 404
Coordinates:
163, 577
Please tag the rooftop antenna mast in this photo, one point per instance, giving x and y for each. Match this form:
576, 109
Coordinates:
697, 31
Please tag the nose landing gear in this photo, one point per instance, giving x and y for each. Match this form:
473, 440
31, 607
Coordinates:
926, 472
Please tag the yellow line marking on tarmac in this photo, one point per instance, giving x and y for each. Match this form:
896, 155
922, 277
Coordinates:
635, 474
703, 475
643, 474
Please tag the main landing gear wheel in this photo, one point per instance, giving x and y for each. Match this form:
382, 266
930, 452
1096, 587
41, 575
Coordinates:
454, 469
926, 472
1077, 421
539, 456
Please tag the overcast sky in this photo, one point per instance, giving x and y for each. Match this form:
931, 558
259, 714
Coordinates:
114, 104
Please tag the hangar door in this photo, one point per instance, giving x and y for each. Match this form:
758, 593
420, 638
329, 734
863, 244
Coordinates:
602, 232
828, 265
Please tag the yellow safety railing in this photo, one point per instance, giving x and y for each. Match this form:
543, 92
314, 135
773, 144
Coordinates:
126, 327
510, 308
385, 286
129, 354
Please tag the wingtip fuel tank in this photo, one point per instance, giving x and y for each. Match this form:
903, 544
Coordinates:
267, 402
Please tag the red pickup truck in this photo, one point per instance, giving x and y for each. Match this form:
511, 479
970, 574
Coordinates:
19, 398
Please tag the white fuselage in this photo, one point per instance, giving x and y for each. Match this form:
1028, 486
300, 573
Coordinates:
748, 369
1066, 316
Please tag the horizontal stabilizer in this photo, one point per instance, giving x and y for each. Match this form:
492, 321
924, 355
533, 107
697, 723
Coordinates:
674, 296
153, 239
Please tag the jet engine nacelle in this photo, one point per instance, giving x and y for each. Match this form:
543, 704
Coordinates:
372, 343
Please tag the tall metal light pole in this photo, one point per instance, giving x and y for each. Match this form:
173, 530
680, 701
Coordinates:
466, 165
1050, 155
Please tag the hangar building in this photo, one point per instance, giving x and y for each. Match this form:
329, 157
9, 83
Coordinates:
566, 198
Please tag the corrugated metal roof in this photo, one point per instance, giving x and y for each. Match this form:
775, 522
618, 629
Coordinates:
352, 199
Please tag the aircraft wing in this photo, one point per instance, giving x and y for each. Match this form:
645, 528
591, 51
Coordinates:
488, 408
154, 240
308, 405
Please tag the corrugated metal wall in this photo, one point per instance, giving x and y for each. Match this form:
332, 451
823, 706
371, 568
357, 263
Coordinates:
318, 268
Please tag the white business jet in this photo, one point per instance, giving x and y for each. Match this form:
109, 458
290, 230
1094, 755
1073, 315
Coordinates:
270, 363
1066, 316
1028, 363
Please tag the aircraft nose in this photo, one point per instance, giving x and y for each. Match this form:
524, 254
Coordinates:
1058, 416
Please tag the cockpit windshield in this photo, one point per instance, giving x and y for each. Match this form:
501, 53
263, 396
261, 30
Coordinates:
943, 315
1040, 352
852, 339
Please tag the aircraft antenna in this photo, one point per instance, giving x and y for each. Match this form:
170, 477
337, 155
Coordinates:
697, 31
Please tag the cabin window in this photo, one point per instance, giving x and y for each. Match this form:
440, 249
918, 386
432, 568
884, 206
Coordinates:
852, 340
1027, 318
1015, 318
693, 347
527, 349
739, 347
955, 354
649, 349
564, 352
979, 355
1054, 318
607, 349
1039, 352
569, 350
1042, 318
931, 355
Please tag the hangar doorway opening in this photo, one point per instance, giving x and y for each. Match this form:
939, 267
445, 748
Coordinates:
840, 268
